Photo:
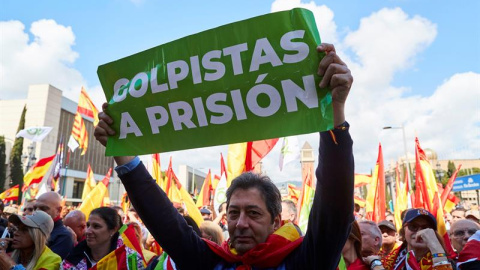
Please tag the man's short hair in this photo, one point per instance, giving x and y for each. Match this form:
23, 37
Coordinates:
270, 193
291, 207
374, 230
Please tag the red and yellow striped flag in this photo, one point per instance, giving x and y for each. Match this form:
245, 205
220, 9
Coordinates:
205, 196
79, 132
157, 170
10, 194
36, 173
375, 203
401, 201
86, 107
362, 179
95, 198
90, 183
306, 201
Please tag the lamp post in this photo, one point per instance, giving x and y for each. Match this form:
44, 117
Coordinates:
406, 154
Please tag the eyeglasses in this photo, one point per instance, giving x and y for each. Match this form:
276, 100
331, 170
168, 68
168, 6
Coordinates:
28, 209
415, 228
461, 233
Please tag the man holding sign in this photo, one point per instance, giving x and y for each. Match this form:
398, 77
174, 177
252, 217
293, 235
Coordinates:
257, 238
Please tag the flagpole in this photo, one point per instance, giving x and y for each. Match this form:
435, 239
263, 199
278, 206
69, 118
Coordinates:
64, 182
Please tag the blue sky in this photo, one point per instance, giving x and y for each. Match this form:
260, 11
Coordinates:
415, 84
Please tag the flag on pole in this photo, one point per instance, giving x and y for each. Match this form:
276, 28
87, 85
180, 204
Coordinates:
448, 188
289, 152
79, 134
95, 198
401, 201
362, 180
90, 183
36, 134
375, 202
10, 194
36, 172
256, 151
205, 196
293, 193
86, 107
428, 195
221, 188
306, 201
156, 169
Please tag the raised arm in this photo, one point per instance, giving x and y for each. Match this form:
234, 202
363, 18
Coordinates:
332, 210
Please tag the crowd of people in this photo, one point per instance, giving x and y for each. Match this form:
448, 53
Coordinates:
254, 228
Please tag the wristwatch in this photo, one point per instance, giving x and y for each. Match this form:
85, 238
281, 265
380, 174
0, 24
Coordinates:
375, 263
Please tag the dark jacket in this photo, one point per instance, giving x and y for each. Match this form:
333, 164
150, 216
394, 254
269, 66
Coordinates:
60, 240
328, 226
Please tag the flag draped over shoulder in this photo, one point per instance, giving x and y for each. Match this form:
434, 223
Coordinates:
90, 183
306, 201
401, 201
79, 134
86, 107
205, 196
427, 195
10, 194
156, 169
375, 202
36, 172
95, 198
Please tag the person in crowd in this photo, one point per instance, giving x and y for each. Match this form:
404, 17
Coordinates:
289, 213
352, 252
120, 212
153, 245
29, 239
101, 238
254, 202
3, 221
76, 220
221, 219
8, 211
206, 214
212, 232
390, 217
60, 240
469, 258
29, 207
423, 247
474, 215
356, 212
73, 234
371, 237
147, 254
389, 237
132, 216
458, 214
461, 231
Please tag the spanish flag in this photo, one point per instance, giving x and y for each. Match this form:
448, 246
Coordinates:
86, 107
375, 203
36, 172
95, 198
157, 170
90, 183
205, 197
10, 194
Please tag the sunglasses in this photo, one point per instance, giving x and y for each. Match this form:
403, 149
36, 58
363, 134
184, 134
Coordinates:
415, 228
461, 233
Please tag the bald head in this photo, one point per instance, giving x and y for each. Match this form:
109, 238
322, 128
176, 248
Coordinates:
51, 203
77, 222
460, 231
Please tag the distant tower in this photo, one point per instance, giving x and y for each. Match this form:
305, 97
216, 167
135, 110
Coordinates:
307, 159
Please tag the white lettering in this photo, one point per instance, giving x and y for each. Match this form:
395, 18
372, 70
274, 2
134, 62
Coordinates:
179, 119
156, 123
224, 110
300, 47
263, 46
143, 78
273, 95
235, 51
292, 92
128, 125
174, 77
154, 82
119, 89
219, 67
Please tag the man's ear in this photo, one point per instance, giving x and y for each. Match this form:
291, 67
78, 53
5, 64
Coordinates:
277, 221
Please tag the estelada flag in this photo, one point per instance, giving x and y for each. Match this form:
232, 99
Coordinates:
10, 194
86, 107
36, 172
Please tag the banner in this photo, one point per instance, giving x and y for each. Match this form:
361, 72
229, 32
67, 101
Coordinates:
242, 82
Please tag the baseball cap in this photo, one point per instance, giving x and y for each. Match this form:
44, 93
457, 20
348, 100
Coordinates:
419, 212
10, 210
38, 219
388, 224
205, 211
474, 213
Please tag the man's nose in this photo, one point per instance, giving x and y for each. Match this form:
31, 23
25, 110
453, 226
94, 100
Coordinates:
242, 221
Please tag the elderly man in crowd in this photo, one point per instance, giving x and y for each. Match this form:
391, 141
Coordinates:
461, 231
371, 238
389, 237
60, 240
76, 220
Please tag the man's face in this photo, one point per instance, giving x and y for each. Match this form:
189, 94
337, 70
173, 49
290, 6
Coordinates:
370, 242
411, 230
457, 215
249, 222
286, 213
77, 225
389, 236
48, 207
28, 208
461, 232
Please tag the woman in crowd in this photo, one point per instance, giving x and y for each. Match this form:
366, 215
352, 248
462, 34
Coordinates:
352, 253
422, 246
102, 238
212, 232
29, 239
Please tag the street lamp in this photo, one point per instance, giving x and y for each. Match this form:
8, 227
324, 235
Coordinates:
406, 154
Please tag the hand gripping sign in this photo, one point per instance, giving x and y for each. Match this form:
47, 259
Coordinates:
250, 80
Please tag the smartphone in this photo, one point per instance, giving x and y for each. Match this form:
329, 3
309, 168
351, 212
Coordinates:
6, 233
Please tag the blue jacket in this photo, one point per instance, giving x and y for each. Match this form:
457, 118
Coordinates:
60, 240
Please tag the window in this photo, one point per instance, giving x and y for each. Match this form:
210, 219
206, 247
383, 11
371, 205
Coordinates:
77, 189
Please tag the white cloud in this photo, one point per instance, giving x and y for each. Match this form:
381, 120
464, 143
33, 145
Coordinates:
48, 58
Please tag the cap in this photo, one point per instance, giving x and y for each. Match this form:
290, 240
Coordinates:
418, 212
38, 219
474, 213
388, 224
10, 210
205, 211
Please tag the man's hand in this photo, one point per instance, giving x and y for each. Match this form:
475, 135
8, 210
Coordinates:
337, 77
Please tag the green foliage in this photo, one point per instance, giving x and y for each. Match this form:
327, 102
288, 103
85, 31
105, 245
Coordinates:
3, 169
450, 168
470, 171
16, 168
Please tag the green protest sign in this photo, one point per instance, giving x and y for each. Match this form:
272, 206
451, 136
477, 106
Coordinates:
250, 80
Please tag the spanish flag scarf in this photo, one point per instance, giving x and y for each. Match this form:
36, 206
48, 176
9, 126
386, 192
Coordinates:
265, 255
399, 258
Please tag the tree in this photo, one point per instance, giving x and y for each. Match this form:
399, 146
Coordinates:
450, 168
3, 169
16, 168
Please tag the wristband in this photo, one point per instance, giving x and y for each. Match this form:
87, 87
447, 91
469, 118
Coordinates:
438, 255
374, 263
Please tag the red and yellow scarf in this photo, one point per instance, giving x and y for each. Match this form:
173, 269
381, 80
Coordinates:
399, 257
